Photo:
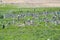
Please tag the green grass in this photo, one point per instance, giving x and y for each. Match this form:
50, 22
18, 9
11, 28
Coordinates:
15, 9
40, 32
29, 33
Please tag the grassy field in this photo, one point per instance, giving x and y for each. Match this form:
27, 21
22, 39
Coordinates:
32, 32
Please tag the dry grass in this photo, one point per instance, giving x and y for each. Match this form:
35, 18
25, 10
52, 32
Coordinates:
35, 3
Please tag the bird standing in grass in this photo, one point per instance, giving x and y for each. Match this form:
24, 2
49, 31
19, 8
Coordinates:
3, 26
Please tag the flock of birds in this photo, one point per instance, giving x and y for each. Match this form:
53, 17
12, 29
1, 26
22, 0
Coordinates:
33, 18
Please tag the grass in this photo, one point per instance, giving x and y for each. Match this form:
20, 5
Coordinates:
40, 32
29, 33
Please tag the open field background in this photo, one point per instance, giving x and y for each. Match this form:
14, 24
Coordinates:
40, 32
33, 3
